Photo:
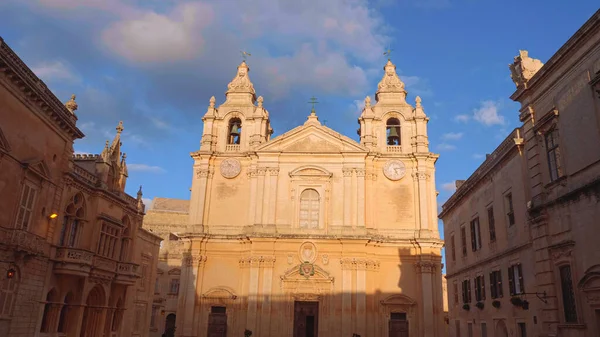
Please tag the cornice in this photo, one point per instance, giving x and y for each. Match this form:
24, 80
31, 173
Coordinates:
36, 90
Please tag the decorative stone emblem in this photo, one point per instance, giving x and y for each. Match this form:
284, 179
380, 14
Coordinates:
307, 269
394, 170
325, 258
230, 168
308, 252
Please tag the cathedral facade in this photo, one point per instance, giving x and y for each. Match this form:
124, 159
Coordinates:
309, 233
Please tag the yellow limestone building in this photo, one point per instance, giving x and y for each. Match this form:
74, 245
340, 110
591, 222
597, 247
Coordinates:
310, 233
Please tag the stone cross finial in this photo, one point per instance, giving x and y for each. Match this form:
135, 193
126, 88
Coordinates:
211, 102
71, 105
120, 127
313, 101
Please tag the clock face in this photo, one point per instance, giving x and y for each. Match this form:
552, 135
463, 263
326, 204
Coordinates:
394, 169
230, 168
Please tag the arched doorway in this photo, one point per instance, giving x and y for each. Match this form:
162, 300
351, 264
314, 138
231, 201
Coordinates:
501, 330
170, 326
92, 315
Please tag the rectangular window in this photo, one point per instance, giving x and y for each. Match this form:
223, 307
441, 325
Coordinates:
479, 288
470, 329
515, 280
553, 153
457, 325
568, 296
496, 284
466, 291
483, 329
143, 279
455, 290
522, 329
475, 235
463, 239
157, 286
510, 214
491, 223
109, 236
452, 248
174, 286
28, 196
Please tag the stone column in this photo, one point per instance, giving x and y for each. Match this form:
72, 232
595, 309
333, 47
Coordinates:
361, 296
268, 262
187, 300
347, 264
253, 293
261, 171
252, 210
360, 198
353, 199
425, 270
198, 196
347, 196
199, 264
272, 206
421, 180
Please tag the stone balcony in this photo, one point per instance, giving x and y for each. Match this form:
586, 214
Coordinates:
73, 261
23, 241
127, 273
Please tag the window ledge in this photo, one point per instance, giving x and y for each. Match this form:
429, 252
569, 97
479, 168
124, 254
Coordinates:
577, 326
556, 182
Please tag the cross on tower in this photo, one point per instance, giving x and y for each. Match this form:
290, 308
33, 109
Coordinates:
120, 127
245, 54
388, 52
313, 101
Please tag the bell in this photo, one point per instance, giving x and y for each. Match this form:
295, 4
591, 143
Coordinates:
235, 130
393, 137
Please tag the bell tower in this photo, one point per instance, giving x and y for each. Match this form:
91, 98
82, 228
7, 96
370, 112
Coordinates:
241, 122
392, 125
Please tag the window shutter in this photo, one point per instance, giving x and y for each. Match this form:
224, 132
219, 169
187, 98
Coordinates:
482, 287
464, 291
521, 285
499, 282
511, 280
493, 285
469, 291
473, 243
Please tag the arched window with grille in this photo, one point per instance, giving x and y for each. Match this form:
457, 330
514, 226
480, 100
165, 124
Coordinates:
310, 203
393, 131
235, 131
72, 221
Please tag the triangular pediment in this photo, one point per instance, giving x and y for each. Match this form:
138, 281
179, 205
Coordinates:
312, 139
39, 168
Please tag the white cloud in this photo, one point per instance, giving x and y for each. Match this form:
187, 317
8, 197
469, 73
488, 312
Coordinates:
462, 118
452, 136
487, 114
145, 168
450, 187
417, 85
55, 71
154, 37
478, 156
446, 147
148, 203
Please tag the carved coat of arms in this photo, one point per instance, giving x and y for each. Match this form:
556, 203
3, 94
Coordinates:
307, 269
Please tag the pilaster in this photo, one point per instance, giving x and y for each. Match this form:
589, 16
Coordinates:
360, 197
260, 172
425, 270
252, 176
347, 172
268, 262
272, 206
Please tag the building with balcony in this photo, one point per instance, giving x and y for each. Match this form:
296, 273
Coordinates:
521, 233
74, 256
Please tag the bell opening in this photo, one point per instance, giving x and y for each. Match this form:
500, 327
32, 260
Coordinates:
235, 131
393, 131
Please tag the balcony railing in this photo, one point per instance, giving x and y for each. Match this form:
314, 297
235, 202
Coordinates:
73, 261
394, 148
105, 264
22, 240
126, 268
232, 148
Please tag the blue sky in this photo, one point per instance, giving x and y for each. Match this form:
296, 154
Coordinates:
155, 63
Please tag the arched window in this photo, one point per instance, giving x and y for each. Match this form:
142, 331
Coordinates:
309, 208
117, 316
50, 311
8, 292
63, 320
393, 131
235, 131
72, 221
125, 240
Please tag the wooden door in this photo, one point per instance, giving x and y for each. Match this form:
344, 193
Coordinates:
398, 328
306, 319
217, 322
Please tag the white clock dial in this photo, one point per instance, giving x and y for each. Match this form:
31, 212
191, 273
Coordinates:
394, 170
230, 168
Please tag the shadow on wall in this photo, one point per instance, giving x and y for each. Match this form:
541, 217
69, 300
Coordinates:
309, 306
